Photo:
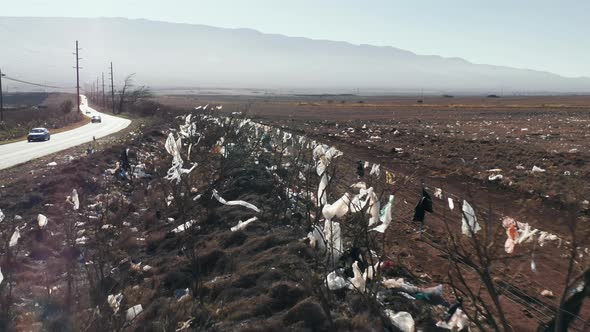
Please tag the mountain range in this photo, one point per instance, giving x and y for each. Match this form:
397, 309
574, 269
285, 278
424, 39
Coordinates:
168, 55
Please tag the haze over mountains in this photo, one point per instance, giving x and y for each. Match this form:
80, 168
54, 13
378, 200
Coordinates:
182, 55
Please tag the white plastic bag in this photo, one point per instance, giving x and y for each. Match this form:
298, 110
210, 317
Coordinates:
241, 203
402, 320
469, 222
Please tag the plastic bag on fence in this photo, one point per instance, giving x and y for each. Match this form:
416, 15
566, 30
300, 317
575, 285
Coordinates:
374, 206
389, 178
322, 195
469, 222
241, 203
375, 170
402, 320
333, 237
2, 216
423, 206
385, 216
316, 239
115, 302
338, 208
360, 170
357, 282
134, 312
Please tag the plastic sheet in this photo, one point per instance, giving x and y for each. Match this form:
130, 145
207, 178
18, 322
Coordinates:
316, 239
2, 216
243, 224
374, 206
241, 203
375, 170
322, 195
451, 203
457, 322
469, 224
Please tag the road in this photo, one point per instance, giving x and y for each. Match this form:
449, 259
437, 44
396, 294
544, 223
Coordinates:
23, 151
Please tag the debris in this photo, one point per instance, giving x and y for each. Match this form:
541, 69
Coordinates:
335, 281
184, 226
41, 220
438, 193
115, 302
2, 216
402, 320
495, 177
134, 312
458, 321
51, 164
451, 203
338, 208
182, 294
14, 238
385, 216
537, 170
547, 293
242, 203
243, 224
358, 282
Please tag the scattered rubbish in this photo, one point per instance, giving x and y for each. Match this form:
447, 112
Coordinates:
181, 294
335, 281
2, 216
451, 203
537, 170
243, 224
134, 312
385, 216
184, 226
495, 177
115, 302
242, 203
402, 320
469, 224
457, 322
338, 208
51, 164
357, 282
14, 238
547, 293
438, 193
41, 221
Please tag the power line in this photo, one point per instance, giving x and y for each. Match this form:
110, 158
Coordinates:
35, 84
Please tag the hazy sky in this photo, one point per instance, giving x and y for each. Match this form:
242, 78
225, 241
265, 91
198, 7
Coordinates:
538, 34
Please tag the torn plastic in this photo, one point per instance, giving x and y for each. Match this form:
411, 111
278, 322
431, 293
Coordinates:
385, 216
322, 199
374, 206
512, 234
457, 322
411, 289
333, 237
14, 238
2, 216
438, 193
375, 170
316, 239
357, 282
243, 224
423, 206
115, 302
469, 224
1, 276
241, 203
184, 227
451, 203
41, 220
337, 209
335, 281
537, 170
402, 320
134, 312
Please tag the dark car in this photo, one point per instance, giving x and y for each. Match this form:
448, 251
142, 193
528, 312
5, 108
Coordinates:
96, 119
38, 134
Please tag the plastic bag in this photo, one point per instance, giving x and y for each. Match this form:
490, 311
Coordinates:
335, 281
338, 208
386, 216
41, 220
134, 312
402, 320
469, 222
333, 237
358, 282
115, 302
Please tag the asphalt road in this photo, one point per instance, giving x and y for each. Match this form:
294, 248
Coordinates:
23, 151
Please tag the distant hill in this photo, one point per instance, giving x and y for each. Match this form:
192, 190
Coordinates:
183, 55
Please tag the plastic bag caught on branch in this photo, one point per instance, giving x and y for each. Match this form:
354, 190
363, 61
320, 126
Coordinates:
241, 203
469, 224
386, 216
338, 208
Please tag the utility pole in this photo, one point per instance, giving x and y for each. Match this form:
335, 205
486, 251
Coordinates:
112, 89
77, 77
104, 103
1, 100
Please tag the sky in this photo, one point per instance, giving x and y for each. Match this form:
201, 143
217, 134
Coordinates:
536, 34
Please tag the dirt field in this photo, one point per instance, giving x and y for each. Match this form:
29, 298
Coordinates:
453, 143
